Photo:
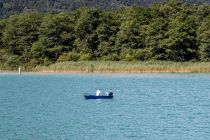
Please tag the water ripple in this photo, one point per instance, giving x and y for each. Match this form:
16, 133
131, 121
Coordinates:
145, 106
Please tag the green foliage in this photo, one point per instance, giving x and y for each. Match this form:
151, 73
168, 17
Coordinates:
153, 34
107, 32
127, 54
143, 54
70, 56
129, 35
203, 35
85, 57
13, 61
2, 26
20, 33
171, 31
111, 57
86, 25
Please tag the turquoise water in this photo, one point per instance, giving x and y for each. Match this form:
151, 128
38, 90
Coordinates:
145, 106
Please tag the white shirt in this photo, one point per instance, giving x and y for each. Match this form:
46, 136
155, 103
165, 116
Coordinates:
98, 92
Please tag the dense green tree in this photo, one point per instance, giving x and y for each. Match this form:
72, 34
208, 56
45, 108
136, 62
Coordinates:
106, 32
201, 11
2, 26
181, 38
56, 35
129, 35
153, 34
19, 34
203, 35
86, 25
2, 51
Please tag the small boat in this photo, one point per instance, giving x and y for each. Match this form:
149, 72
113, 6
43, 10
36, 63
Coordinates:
108, 96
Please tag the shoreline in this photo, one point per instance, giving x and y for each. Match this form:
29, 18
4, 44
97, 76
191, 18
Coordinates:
102, 72
117, 67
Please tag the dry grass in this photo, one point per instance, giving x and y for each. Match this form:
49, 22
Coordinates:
121, 66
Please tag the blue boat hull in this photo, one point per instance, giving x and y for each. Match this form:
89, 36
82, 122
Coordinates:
97, 97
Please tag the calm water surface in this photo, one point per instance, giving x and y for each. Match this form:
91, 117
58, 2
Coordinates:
145, 106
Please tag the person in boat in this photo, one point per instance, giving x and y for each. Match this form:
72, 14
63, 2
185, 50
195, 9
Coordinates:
98, 92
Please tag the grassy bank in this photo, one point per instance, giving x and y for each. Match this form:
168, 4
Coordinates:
121, 66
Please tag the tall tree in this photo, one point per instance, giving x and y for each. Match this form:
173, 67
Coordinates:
131, 20
56, 34
153, 34
87, 23
20, 32
181, 41
106, 31
203, 35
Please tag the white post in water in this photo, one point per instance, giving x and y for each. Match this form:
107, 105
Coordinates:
19, 71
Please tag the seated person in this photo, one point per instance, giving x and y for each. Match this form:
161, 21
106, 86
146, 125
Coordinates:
98, 92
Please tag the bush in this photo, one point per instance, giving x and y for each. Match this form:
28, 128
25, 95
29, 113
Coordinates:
34, 62
85, 57
13, 61
128, 57
142, 54
70, 56
111, 57
47, 61
127, 54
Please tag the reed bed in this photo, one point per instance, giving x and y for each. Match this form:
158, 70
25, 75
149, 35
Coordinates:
127, 67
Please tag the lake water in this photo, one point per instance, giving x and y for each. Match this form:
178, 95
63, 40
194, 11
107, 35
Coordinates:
145, 106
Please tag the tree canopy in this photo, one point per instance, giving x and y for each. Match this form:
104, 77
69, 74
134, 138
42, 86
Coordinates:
172, 31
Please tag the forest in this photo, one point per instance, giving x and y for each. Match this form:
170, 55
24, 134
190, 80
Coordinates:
169, 31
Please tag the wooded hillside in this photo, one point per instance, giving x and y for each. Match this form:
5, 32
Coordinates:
169, 31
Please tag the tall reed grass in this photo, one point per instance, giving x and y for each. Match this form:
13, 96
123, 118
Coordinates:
122, 66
